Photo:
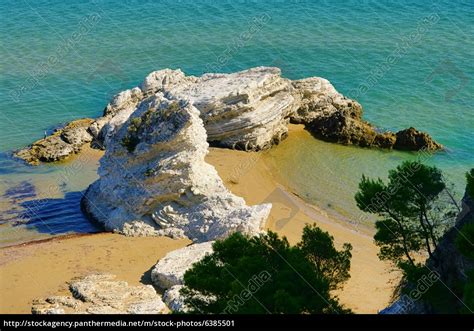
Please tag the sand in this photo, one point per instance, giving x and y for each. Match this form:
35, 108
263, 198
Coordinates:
37, 270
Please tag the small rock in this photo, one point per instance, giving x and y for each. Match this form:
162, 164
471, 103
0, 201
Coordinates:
102, 294
170, 269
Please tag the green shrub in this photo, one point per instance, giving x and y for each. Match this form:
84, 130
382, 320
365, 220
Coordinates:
265, 275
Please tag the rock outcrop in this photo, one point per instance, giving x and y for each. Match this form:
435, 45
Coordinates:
451, 268
332, 117
170, 270
102, 294
153, 179
62, 143
175, 300
247, 110
412, 139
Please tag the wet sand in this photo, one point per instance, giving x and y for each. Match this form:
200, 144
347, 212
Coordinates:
41, 269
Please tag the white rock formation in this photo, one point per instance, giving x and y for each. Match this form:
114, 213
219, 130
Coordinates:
153, 179
170, 270
102, 294
174, 300
317, 97
246, 110
122, 105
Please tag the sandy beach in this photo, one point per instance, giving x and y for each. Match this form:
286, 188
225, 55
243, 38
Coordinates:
40, 269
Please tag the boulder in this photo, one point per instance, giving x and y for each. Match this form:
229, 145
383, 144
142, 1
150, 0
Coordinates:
61, 144
102, 294
153, 179
170, 270
332, 117
412, 139
174, 300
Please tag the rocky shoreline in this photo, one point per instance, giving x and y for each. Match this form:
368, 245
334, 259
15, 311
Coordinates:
153, 178
247, 110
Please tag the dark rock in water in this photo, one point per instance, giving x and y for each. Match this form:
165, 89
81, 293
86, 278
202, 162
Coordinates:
413, 140
340, 128
14, 196
332, 117
247, 110
58, 146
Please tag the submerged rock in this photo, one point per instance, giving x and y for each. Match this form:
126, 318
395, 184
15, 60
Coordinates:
58, 146
154, 180
102, 294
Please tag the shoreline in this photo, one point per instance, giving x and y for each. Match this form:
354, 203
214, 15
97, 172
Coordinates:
55, 261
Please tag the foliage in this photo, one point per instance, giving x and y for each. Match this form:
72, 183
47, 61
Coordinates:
264, 274
138, 125
318, 247
470, 183
131, 139
468, 294
414, 215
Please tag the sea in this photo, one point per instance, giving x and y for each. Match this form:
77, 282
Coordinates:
408, 62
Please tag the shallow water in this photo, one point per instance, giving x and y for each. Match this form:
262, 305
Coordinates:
408, 62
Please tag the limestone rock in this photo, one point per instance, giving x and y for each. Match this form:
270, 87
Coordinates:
102, 294
122, 105
174, 300
153, 173
330, 116
412, 139
247, 110
170, 270
318, 98
58, 146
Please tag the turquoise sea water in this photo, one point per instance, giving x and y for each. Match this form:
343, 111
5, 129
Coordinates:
409, 63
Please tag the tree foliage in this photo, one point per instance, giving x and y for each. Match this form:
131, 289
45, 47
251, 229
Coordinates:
318, 247
470, 183
264, 274
413, 211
